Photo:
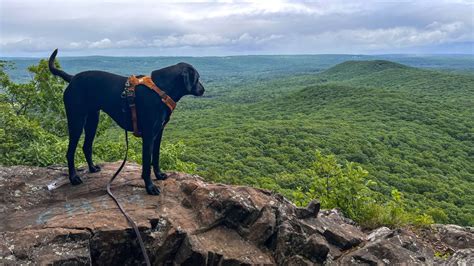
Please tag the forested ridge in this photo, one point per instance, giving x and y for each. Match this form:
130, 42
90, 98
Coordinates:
412, 129
380, 139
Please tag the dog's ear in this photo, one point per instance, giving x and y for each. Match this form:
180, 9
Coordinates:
187, 79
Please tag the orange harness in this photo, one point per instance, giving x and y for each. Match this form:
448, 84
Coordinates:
129, 93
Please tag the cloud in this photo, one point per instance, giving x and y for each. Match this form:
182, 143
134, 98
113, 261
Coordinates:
120, 27
185, 40
104, 43
257, 40
190, 40
397, 37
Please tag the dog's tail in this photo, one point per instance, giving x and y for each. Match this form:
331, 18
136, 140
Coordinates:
55, 71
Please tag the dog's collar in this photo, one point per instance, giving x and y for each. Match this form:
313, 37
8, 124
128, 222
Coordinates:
148, 82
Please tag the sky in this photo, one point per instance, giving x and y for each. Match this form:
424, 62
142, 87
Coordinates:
208, 28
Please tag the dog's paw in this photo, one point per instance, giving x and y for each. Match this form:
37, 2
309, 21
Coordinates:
94, 169
160, 175
153, 190
75, 180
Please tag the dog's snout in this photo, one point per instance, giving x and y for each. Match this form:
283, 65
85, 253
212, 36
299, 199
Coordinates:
200, 89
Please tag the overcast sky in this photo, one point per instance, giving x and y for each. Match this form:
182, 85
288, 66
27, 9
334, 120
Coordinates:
161, 28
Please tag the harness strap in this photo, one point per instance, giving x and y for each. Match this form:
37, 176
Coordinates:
132, 82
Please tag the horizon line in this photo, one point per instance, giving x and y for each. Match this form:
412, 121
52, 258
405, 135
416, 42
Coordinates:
243, 55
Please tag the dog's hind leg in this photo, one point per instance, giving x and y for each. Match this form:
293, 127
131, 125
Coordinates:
90, 129
155, 159
75, 124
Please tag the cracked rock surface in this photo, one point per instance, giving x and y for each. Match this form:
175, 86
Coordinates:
192, 222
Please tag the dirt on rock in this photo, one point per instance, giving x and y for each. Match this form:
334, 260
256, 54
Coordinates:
192, 222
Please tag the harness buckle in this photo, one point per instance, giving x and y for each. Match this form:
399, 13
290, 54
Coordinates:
128, 92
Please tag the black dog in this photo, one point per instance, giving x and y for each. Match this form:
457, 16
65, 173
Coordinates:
91, 91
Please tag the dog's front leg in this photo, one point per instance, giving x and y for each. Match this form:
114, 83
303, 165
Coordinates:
156, 156
147, 146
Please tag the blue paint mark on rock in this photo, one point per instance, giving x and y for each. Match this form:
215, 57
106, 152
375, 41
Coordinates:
87, 206
69, 209
43, 217
135, 199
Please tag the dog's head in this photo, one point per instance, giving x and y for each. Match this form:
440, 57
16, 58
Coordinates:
178, 80
190, 80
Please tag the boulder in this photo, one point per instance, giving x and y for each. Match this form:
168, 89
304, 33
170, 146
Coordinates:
339, 231
454, 236
399, 247
461, 257
378, 233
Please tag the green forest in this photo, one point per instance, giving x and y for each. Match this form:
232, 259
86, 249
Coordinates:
387, 143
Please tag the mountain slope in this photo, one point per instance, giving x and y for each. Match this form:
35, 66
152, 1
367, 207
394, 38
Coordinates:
392, 75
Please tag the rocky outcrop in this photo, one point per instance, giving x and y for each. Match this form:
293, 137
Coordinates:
393, 247
192, 222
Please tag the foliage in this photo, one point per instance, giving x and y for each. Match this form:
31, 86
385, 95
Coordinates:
347, 188
442, 255
30, 117
40, 99
24, 141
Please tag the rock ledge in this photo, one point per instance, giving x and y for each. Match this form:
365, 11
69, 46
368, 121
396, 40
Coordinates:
192, 222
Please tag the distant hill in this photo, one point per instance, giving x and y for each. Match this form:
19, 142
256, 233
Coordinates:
353, 69
391, 75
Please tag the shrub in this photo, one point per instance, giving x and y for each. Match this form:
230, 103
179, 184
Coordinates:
346, 187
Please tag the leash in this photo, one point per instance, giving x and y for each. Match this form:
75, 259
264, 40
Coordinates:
129, 219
